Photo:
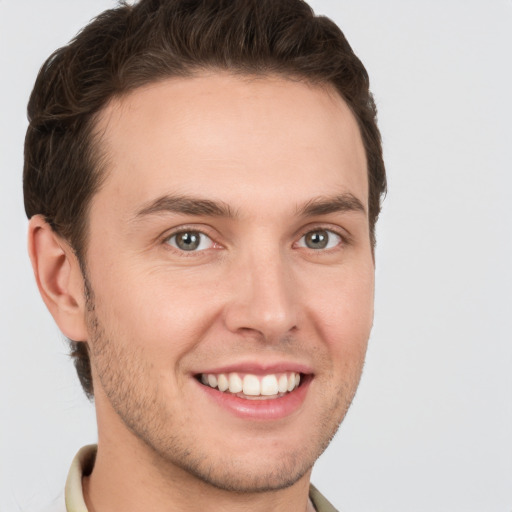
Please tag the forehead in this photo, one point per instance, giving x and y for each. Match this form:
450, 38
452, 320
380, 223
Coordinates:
228, 138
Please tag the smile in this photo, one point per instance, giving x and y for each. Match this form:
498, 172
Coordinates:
253, 387
254, 392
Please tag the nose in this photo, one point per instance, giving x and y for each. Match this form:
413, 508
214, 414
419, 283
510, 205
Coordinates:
263, 298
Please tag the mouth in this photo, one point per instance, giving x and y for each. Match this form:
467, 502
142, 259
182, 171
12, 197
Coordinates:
251, 386
255, 392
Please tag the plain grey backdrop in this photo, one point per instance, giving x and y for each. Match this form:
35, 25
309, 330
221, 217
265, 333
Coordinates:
431, 426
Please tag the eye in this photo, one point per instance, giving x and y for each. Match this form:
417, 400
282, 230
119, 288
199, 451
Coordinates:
320, 239
190, 241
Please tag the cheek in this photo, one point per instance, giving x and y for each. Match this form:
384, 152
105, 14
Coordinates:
342, 310
162, 310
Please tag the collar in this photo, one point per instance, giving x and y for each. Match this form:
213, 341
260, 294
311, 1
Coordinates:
82, 465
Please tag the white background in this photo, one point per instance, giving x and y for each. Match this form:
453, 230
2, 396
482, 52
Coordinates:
431, 426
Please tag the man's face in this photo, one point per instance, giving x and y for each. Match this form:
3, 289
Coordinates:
229, 246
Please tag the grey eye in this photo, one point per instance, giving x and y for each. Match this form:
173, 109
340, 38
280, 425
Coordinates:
320, 239
190, 241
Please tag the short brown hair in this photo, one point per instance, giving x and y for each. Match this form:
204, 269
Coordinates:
130, 46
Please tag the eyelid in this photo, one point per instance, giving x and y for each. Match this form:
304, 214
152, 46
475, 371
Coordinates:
183, 228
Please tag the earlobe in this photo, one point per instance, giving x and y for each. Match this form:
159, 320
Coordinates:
58, 278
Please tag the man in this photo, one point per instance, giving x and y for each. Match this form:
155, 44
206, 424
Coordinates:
203, 181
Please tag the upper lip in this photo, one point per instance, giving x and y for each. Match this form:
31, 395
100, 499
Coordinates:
259, 368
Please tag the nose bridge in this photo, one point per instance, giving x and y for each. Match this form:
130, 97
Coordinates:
263, 298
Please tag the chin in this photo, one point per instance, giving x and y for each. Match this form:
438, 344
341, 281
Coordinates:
254, 463
245, 475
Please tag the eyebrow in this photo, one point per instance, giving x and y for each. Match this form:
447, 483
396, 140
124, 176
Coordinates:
186, 205
189, 205
345, 202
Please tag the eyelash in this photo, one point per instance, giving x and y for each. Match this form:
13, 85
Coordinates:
344, 240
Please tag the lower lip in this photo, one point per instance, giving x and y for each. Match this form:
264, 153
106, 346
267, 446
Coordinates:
270, 409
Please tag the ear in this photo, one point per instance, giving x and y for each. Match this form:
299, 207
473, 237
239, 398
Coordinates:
59, 278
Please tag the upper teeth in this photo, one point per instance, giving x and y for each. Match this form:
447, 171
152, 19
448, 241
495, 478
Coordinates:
252, 385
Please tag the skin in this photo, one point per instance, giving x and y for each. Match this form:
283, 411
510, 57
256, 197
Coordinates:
254, 292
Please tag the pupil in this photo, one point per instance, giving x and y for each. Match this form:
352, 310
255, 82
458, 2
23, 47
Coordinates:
317, 240
188, 241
